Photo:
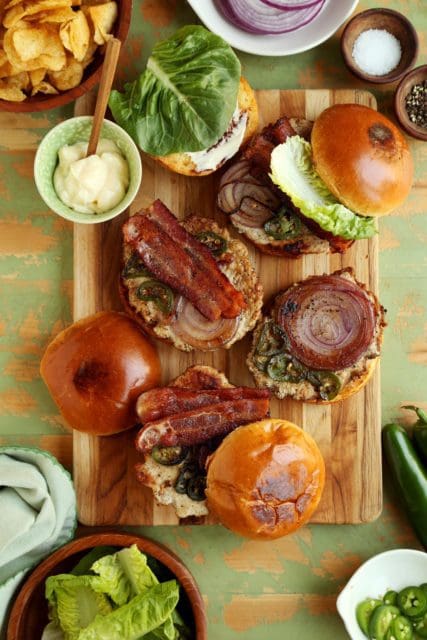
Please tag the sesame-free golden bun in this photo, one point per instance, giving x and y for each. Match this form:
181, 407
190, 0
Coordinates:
95, 370
363, 158
266, 479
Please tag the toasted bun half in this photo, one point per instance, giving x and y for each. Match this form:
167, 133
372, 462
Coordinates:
96, 369
182, 162
266, 479
363, 158
236, 265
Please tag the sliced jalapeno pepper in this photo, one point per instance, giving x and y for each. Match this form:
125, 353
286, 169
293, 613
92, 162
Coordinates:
196, 488
400, 629
284, 225
381, 620
327, 383
169, 456
420, 627
390, 597
364, 612
272, 340
216, 244
424, 587
412, 601
285, 368
134, 267
159, 293
187, 472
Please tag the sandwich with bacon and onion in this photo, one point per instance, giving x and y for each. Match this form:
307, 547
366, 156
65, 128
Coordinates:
321, 340
182, 424
188, 283
301, 187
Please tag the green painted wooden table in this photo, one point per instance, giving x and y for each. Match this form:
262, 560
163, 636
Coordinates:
253, 590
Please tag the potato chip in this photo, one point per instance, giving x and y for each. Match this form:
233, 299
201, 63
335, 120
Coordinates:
89, 54
11, 93
37, 75
19, 80
44, 87
69, 77
61, 14
29, 8
75, 35
30, 42
103, 17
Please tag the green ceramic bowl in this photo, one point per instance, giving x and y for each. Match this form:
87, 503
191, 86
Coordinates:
76, 130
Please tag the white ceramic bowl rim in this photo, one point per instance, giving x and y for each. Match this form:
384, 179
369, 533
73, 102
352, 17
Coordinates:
382, 569
135, 168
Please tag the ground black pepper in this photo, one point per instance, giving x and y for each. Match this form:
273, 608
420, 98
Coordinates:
416, 104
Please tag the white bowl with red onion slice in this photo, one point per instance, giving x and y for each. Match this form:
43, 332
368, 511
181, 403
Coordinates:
273, 27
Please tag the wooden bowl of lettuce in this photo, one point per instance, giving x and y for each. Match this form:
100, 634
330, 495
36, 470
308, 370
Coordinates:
109, 586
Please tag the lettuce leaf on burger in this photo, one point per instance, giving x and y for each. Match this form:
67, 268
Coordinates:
190, 108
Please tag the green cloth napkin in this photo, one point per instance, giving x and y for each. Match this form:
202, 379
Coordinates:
37, 515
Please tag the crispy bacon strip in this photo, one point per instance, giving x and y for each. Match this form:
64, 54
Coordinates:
165, 401
201, 255
163, 254
202, 424
259, 149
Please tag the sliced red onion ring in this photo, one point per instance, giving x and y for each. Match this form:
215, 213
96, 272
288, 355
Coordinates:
254, 16
198, 331
290, 4
232, 194
238, 171
330, 321
252, 214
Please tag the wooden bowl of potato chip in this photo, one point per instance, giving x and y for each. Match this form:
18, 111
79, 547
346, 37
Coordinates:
52, 50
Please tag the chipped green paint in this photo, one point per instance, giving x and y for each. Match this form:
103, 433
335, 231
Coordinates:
284, 588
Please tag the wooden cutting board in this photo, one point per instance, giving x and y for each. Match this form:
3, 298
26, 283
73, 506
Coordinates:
348, 433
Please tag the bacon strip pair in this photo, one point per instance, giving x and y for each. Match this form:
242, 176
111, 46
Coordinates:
165, 401
179, 260
201, 424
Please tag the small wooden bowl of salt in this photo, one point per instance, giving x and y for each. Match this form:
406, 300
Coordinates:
379, 45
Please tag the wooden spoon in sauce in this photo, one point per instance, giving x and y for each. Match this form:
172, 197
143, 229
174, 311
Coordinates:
107, 77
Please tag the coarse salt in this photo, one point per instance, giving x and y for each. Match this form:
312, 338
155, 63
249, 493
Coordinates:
377, 52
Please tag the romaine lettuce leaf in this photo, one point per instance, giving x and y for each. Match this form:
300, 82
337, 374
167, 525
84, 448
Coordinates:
124, 574
83, 567
292, 170
141, 615
74, 601
185, 98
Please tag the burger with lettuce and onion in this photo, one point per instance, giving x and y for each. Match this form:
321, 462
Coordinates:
302, 187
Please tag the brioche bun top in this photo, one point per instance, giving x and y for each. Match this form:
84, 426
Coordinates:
95, 370
363, 158
265, 479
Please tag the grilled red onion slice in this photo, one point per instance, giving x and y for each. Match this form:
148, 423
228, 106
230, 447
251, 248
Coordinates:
232, 194
254, 16
252, 214
238, 171
329, 320
198, 331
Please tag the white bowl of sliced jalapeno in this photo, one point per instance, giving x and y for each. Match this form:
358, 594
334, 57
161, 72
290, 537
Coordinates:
386, 598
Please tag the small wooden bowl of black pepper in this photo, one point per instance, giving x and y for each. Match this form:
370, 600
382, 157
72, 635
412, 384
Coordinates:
410, 102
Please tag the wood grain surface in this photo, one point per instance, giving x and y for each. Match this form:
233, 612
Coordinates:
348, 433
